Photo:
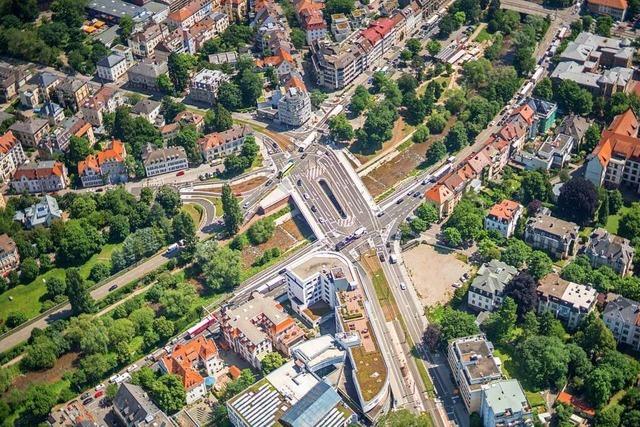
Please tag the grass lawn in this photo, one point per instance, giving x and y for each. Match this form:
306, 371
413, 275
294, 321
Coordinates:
613, 222
194, 211
483, 35
28, 298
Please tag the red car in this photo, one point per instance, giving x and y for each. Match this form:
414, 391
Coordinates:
180, 173
98, 394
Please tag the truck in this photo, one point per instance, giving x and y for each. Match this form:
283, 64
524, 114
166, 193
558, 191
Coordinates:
359, 232
393, 259
172, 248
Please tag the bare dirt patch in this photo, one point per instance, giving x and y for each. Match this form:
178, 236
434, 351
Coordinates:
63, 365
285, 236
433, 272
400, 131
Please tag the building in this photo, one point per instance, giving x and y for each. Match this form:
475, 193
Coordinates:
52, 112
553, 235
13, 76
188, 15
30, 96
190, 361
340, 27
133, 408
312, 283
309, 14
613, 251
487, 289
72, 92
40, 177
143, 43
282, 62
112, 67
189, 118
616, 159
257, 327
503, 217
442, 198
42, 213
31, 131
617, 9
9, 256
293, 103
622, 316
289, 396
544, 116
504, 404
11, 155
554, 152
144, 75
158, 161
150, 110
105, 167
204, 85
568, 301
47, 82
105, 100
221, 144
473, 365
576, 127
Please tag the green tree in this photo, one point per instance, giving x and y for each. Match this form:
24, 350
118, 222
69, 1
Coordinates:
452, 237
41, 354
317, 98
232, 213
183, 227
178, 302
455, 324
404, 418
28, 270
591, 138
595, 337
578, 200
169, 394
517, 253
164, 327
434, 47
502, 322
250, 84
221, 266
572, 98
77, 292
271, 361
456, 102
457, 137
169, 199
165, 84
338, 6
170, 108
546, 359
340, 128
126, 26
79, 149
298, 38
99, 272
377, 127
436, 123
180, 67
55, 286
230, 96
539, 264
604, 24
222, 119
361, 100
535, 186
187, 138
544, 89
261, 231
421, 134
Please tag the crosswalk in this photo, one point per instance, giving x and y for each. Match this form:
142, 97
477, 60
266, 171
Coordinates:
345, 222
315, 171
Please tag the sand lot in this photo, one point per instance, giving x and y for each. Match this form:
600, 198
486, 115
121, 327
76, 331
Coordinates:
433, 271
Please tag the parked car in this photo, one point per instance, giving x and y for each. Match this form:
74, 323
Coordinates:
180, 173
87, 401
403, 286
98, 394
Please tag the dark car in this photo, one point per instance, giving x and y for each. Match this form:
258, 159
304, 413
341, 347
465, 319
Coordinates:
400, 200
113, 288
299, 182
87, 401
314, 209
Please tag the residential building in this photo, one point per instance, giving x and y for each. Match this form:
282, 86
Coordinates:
30, 96
617, 9
473, 365
293, 103
608, 249
191, 362
133, 407
221, 144
143, 43
47, 82
504, 404
105, 100
42, 213
622, 317
575, 126
11, 155
487, 289
150, 110
144, 75
568, 301
289, 396
282, 62
309, 14
204, 85
105, 167
112, 67
125, 51
223, 58
503, 217
31, 131
189, 118
52, 112
442, 198
257, 327
544, 116
9, 256
554, 235
158, 161
616, 159
312, 283
72, 92
554, 152
340, 27
40, 177
185, 17
12, 77
111, 11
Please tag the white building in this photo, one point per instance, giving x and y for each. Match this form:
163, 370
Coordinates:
158, 161
112, 67
40, 177
221, 144
503, 217
294, 106
505, 404
621, 316
487, 289
568, 301
11, 155
204, 85
474, 366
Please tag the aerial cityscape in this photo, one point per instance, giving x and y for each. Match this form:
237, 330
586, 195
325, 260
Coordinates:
330, 213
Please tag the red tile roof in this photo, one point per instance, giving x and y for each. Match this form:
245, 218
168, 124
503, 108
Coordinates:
7, 142
185, 356
505, 210
114, 153
30, 172
439, 193
614, 4
620, 139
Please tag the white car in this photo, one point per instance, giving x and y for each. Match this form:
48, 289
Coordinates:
132, 368
456, 285
403, 286
99, 386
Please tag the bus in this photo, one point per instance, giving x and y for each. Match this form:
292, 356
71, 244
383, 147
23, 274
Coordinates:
286, 169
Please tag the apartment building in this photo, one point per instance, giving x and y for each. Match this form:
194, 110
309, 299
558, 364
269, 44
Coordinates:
31, 131
487, 289
105, 167
622, 317
72, 92
257, 327
340, 26
473, 365
112, 67
617, 9
143, 43
314, 280
282, 62
42, 213
608, 249
105, 100
504, 404
204, 85
144, 75
9, 256
158, 161
503, 217
185, 17
553, 235
40, 177
616, 159
11, 155
568, 301
221, 144
192, 362
132, 406
293, 103
150, 110
12, 77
